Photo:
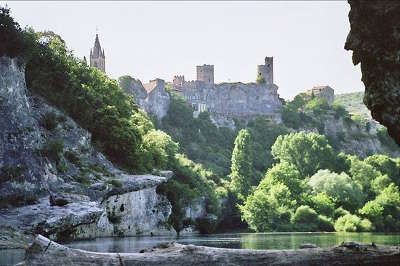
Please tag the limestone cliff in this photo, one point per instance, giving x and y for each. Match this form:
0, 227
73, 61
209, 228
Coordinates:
54, 182
374, 39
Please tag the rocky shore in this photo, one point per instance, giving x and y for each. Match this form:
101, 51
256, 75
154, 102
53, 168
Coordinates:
46, 252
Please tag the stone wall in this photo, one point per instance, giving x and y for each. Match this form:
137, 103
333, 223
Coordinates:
228, 101
266, 71
324, 92
152, 97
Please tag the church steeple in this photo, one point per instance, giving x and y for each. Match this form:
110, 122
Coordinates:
97, 55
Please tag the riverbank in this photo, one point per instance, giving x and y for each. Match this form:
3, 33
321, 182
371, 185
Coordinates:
44, 251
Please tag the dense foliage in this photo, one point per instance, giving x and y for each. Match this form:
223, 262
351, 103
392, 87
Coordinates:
118, 127
272, 179
313, 197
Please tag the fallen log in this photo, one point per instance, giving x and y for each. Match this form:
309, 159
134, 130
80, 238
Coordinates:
46, 252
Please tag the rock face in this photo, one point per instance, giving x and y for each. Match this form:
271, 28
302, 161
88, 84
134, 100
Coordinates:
52, 180
152, 97
19, 138
374, 39
133, 209
45, 252
354, 138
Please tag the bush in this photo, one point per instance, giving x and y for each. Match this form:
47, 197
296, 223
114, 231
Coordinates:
12, 173
345, 191
53, 150
260, 79
49, 121
73, 157
352, 223
115, 183
307, 219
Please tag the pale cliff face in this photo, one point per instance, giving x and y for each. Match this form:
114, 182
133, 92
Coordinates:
81, 177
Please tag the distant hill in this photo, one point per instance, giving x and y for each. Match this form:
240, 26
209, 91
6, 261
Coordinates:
353, 102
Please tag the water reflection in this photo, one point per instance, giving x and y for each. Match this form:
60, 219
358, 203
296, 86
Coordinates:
238, 241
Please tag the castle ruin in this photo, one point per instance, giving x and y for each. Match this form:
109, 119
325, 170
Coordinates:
97, 56
324, 92
205, 73
229, 101
225, 102
266, 72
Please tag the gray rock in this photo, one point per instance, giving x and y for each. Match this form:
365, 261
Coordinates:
45, 252
307, 245
374, 38
83, 194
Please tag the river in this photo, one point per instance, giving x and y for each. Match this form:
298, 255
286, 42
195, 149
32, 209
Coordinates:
234, 240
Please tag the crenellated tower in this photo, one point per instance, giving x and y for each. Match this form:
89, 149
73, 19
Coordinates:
97, 56
205, 73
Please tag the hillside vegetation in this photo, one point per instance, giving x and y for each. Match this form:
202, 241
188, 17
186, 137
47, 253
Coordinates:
318, 170
119, 129
353, 102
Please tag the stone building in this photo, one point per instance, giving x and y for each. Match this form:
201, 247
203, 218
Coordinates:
266, 71
178, 81
205, 73
97, 56
229, 101
152, 96
324, 92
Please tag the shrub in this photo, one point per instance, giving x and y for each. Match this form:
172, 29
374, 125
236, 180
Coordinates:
72, 156
307, 219
49, 121
115, 182
53, 150
260, 79
82, 178
12, 173
352, 223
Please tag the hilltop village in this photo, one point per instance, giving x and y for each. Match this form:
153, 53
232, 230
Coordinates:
225, 101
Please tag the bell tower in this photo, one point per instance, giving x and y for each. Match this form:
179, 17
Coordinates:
97, 56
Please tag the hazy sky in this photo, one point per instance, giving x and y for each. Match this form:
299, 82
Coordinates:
161, 39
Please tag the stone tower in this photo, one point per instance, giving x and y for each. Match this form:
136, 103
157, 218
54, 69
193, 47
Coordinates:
267, 71
97, 56
205, 73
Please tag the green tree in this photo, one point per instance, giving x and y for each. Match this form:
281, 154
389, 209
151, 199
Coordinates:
386, 165
340, 187
364, 174
384, 210
286, 174
268, 209
241, 168
309, 152
159, 148
323, 204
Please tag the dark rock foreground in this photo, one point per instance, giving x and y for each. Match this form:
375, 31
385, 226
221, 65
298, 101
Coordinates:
374, 39
46, 252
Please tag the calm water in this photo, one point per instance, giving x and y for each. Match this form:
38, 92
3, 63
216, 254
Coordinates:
237, 240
